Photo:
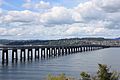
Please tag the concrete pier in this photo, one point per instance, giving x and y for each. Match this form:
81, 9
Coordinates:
26, 52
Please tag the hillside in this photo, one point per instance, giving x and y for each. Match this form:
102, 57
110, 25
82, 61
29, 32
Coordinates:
70, 41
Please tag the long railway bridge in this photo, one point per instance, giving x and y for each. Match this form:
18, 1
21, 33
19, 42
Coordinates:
30, 52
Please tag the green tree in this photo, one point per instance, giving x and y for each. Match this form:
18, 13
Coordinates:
103, 73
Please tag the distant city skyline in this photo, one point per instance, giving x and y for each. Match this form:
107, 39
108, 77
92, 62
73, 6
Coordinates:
55, 19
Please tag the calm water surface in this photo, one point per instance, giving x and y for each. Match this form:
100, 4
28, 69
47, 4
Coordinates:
70, 65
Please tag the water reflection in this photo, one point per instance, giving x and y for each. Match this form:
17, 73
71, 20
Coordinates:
70, 65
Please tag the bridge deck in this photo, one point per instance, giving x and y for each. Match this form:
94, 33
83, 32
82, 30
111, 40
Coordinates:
10, 47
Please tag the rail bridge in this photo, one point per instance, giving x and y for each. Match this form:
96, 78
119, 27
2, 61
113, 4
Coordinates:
30, 52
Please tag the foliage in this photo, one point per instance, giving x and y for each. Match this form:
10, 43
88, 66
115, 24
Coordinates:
60, 77
85, 76
103, 73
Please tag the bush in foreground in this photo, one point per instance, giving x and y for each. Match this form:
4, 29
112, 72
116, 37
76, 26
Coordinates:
103, 73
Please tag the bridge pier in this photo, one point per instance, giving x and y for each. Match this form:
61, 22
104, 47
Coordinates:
50, 52
37, 53
80, 49
87, 48
14, 55
42, 53
59, 51
55, 52
5, 56
47, 52
65, 50
83, 49
22, 55
62, 51
73, 50
30, 54
69, 50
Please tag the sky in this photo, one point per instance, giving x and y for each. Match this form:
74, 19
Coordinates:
56, 19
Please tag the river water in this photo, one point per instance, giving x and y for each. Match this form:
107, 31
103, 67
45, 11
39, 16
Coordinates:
71, 65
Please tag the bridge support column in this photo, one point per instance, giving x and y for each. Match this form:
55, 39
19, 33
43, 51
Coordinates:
69, 50
47, 52
50, 52
59, 51
63, 51
77, 49
87, 48
42, 53
37, 53
55, 52
5, 56
80, 49
22, 55
14, 55
30, 54
73, 50
83, 49
91, 48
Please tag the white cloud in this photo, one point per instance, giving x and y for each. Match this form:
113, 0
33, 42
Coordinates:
24, 17
89, 18
58, 15
89, 11
42, 5
108, 5
27, 5
39, 5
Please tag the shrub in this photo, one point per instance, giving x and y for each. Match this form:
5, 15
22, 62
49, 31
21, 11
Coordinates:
103, 73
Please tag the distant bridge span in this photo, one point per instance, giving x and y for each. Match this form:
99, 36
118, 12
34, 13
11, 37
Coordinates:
28, 52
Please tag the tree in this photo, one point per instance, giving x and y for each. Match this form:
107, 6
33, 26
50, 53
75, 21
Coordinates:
103, 73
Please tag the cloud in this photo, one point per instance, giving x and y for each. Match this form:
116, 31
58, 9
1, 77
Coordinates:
91, 18
108, 5
58, 16
23, 17
36, 6
42, 5
89, 11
